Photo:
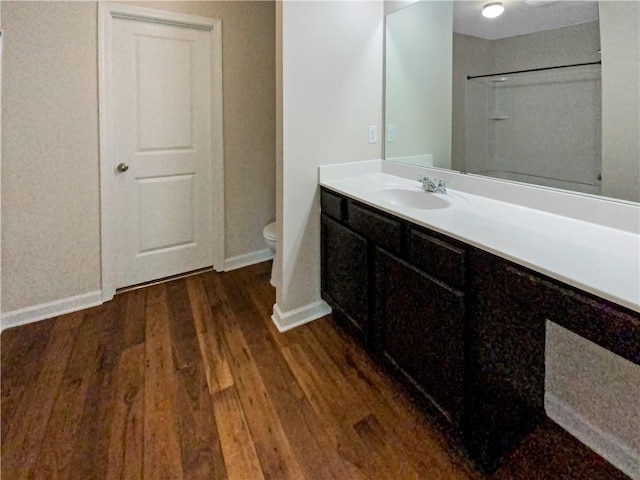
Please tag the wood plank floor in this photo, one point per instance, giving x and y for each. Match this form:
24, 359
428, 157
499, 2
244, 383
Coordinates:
190, 379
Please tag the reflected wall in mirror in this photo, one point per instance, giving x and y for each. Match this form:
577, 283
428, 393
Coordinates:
512, 114
418, 69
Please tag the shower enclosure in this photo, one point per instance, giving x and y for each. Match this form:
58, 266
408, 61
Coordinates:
540, 126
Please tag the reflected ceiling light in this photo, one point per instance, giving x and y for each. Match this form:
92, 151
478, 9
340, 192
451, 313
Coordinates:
492, 10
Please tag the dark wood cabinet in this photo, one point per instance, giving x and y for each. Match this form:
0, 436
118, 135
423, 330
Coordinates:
505, 339
438, 257
381, 229
418, 329
409, 317
461, 327
345, 277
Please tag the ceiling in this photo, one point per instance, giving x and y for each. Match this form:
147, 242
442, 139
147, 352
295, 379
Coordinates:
520, 17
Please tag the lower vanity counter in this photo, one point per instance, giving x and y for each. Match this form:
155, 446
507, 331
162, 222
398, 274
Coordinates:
452, 293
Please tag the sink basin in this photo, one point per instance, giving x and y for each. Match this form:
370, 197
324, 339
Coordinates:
419, 199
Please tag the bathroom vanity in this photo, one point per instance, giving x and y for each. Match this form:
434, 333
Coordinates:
421, 281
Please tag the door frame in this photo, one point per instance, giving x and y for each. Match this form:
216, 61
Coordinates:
107, 12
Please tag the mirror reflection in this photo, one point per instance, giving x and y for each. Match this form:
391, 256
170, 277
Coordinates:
418, 88
517, 97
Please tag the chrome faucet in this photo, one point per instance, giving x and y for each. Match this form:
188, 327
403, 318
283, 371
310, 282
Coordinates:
429, 185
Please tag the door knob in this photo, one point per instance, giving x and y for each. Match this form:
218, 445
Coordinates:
123, 167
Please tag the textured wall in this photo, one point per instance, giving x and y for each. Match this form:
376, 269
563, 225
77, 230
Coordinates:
50, 195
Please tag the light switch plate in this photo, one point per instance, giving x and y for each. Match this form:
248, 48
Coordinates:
373, 134
391, 133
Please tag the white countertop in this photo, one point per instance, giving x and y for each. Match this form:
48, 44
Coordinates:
598, 259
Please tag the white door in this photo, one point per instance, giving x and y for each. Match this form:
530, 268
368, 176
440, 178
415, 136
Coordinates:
162, 149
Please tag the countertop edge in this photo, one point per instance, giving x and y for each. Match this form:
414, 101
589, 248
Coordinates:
558, 276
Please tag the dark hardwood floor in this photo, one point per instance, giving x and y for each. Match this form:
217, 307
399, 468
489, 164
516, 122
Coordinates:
191, 379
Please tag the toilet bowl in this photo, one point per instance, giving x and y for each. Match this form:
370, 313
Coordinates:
271, 238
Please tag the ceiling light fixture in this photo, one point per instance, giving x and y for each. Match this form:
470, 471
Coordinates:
492, 10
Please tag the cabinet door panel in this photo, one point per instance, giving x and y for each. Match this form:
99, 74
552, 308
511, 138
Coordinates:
438, 258
419, 328
382, 229
344, 272
332, 205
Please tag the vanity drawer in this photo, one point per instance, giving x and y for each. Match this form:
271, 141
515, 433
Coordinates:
437, 257
332, 205
383, 230
605, 324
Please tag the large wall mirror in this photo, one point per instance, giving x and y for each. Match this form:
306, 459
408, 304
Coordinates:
546, 94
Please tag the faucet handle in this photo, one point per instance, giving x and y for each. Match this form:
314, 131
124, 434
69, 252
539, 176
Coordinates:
442, 186
428, 184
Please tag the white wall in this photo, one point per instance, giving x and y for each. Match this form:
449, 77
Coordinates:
332, 91
50, 194
418, 84
391, 6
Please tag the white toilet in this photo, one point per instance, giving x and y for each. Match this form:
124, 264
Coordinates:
271, 237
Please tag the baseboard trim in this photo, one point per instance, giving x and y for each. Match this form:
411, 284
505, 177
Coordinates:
294, 318
247, 259
43, 311
620, 455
